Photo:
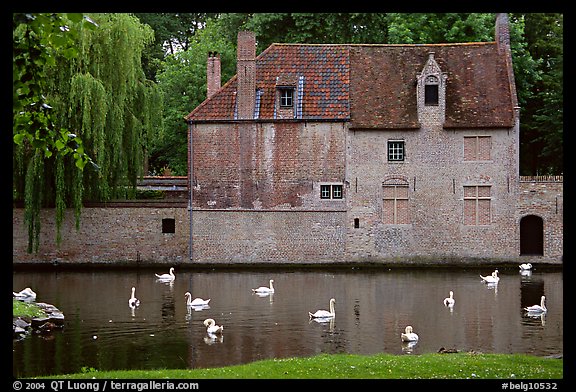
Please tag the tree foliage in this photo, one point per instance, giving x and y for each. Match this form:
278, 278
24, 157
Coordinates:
173, 33
542, 136
182, 80
38, 39
99, 100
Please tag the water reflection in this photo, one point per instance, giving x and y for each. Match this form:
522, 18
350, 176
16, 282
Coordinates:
212, 338
408, 347
373, 309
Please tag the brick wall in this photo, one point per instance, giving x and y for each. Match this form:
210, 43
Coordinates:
266, 165
133, 234
233, 236
106, 235
256, 199
542, 196
436, 173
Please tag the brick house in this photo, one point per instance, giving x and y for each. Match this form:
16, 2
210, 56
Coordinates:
336, 154
384, 153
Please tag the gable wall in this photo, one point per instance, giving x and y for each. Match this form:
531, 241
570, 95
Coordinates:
436, 173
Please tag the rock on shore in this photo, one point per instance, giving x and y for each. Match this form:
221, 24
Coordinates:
53, 319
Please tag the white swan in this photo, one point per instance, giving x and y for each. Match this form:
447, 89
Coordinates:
324, 313
196, 301
264, 289
408, 335
450, 300
525, 266
211, 326
537, 308
25, 295
493, 278
167, 277
133, 301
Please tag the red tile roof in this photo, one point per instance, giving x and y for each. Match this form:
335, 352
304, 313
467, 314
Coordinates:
374, 86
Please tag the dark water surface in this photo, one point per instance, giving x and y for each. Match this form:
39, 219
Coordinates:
373, 307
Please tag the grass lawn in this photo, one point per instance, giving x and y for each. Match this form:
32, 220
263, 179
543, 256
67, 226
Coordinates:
347, 366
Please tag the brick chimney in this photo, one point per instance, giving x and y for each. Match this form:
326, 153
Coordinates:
246, 75
213, 82
502, 32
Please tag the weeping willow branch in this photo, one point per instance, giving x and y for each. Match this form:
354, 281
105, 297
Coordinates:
103, 98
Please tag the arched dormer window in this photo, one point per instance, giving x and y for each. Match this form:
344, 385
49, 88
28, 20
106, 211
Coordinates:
431, 93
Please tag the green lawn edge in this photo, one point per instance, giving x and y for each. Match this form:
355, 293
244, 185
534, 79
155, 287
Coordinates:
354, 366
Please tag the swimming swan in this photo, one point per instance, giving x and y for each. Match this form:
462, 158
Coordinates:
196, 301
26, 294
525, 266
167, 277
133, 301
537, 308
211, 326
408, 335
264, 289
324, 313
493, 278
450, 300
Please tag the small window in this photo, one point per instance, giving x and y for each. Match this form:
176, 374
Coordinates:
168, 225
396, 150
431, 94
356, 223
286, 97
431, 90
331, 191
336, 191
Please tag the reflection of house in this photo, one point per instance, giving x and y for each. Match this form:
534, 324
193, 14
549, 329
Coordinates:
320, 153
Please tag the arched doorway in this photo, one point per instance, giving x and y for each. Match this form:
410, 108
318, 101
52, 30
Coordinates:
531, 235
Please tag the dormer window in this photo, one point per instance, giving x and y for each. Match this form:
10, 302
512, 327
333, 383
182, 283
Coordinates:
286, 97
431, 93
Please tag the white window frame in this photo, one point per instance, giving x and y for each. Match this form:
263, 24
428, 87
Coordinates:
395, 154
333, 191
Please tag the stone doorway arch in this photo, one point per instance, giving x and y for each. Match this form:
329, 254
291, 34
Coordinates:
531, 235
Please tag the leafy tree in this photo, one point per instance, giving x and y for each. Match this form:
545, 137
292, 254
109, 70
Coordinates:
182, 81
419, 28
542, 136
173, 33
37, 41
337, 28
97, 93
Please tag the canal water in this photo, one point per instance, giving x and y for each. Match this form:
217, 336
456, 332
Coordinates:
372, 309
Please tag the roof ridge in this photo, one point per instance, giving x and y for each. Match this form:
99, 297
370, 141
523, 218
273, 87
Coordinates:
391, 45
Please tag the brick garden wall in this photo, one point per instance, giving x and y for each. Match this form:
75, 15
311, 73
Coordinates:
129, 234
107, 235
269, 236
